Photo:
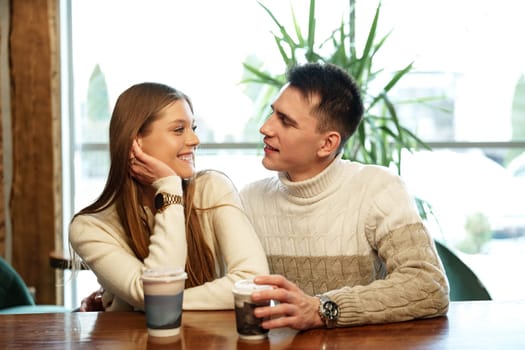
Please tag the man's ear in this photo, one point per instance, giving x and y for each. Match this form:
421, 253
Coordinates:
330, 144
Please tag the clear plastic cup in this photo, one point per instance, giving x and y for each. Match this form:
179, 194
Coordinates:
248, 326
163, 295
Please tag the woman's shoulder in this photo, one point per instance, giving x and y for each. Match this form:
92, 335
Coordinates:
88, 221
214, 186
215, 177
104, 214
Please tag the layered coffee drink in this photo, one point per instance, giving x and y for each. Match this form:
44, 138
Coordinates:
163, 296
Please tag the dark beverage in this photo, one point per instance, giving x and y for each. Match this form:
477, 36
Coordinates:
247, 323
248, 326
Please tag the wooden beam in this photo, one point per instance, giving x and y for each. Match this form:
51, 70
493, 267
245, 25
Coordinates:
35, 217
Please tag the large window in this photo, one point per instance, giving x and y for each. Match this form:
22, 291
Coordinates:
465, 52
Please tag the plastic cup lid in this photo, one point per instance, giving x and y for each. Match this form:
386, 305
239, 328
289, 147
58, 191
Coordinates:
164, 273
248, 287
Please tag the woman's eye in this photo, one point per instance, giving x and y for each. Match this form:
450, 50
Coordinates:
194, 127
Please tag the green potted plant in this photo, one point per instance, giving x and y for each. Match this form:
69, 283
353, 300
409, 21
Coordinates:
380, 137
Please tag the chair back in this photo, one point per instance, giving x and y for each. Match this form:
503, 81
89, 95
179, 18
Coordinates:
463, 282
13, 290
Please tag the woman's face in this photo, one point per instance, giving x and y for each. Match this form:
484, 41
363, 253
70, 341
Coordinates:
171, 138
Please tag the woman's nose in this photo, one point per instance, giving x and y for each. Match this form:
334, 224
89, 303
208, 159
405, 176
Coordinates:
193, 139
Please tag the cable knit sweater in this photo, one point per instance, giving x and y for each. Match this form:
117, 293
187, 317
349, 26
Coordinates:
351, 232
100, 241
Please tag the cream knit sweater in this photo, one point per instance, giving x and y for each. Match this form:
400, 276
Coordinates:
100, 241
351, 232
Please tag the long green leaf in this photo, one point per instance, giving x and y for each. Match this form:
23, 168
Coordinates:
287, 60
298, 32
311, 26
286, 37
379, 44
260, 77
351, 28
398, 76
369, 43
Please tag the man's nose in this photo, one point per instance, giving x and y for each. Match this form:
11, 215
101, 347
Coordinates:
266, 128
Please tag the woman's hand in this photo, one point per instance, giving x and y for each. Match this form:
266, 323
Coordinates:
145, 168
93, 302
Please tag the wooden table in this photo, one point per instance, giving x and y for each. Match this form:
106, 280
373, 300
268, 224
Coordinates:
468, 325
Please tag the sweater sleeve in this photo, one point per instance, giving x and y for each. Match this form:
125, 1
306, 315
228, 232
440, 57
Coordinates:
415, 285
235, 243
100, 241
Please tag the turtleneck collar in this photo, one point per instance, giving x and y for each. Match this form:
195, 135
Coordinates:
314, 186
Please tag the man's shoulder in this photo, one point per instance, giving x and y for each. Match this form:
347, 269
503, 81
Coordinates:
369, 170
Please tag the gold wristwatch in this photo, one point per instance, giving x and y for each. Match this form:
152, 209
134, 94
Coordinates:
164, 199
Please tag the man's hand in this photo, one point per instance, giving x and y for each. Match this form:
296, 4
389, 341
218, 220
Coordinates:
93, 302
294, 309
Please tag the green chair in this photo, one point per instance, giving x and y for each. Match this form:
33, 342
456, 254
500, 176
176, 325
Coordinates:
15, 297
464, 284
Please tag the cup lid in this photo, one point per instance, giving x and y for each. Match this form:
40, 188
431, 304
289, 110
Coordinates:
164, 273
248, 287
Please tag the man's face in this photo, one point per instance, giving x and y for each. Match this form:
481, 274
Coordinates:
291, 138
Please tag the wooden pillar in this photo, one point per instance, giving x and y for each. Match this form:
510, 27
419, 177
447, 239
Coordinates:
35, 194
4, 115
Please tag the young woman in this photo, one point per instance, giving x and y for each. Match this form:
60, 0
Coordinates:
155, 210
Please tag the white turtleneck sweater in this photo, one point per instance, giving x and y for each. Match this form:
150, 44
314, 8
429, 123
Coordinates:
353, 233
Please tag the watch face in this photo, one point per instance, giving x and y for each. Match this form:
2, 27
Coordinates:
330, 310
159, 201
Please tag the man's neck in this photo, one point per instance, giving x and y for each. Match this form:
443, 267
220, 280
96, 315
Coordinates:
312, 171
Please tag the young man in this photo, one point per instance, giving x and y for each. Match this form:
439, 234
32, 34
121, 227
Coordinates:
344, 241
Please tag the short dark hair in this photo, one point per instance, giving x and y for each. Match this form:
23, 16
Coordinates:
340, 106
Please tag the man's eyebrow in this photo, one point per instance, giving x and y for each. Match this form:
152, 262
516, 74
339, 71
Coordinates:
289, 120
284, 116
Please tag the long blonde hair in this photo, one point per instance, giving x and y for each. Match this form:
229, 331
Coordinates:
135, 109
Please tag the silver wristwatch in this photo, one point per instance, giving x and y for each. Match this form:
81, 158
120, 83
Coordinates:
328, 310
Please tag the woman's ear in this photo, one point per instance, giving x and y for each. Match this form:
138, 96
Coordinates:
135, 146
329, 144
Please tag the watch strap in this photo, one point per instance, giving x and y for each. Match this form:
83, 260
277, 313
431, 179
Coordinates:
165, 199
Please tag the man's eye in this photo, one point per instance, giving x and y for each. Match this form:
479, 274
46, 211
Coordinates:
284, 120
194, 127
